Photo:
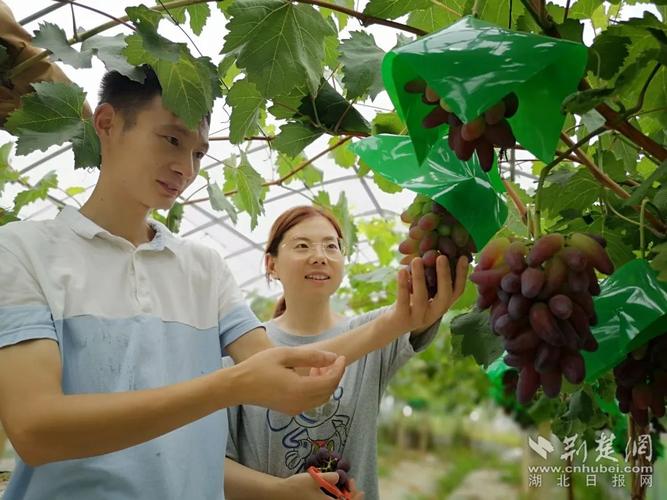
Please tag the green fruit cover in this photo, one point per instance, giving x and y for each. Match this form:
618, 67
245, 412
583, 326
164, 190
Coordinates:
631, 310
463, 188
495, 372
472, 65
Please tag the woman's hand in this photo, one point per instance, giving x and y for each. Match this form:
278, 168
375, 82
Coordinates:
304, 487
415, 312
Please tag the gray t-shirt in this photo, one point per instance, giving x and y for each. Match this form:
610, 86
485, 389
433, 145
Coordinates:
279, 444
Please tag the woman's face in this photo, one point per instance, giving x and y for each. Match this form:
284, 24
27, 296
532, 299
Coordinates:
309, 260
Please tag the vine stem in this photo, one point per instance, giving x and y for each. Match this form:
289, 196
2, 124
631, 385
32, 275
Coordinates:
609, 183
642, 240
514, 196
279, 182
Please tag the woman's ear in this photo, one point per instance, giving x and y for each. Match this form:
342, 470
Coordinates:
270, 266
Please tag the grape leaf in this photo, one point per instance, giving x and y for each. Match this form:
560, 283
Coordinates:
51, 116
384, 238
220, 202
146, 45
86, 146
362, 63
606, 55
294, 137
286, 106
585, 100
342, 213
52, 37
576, 190
385, 184
38, 192
572, 30
340, 16
331, 44
281, 45
332, 111
432, 19
251, 192
638, 194
74, 190
583, 9
391, 9
199, 14
309, 175
246, 103
174, 218
472, 335
581, 406
7, 172
109, 50
189, 87
659, 261
342, 154
387, 123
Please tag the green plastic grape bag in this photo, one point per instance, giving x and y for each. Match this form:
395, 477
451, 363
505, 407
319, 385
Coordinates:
468, 193
631, 310
473, 64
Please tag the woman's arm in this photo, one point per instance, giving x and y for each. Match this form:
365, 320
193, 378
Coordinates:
412, 312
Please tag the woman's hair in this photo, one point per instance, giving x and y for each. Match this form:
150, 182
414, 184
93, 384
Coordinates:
286, 221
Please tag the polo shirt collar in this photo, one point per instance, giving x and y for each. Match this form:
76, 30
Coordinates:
86, 228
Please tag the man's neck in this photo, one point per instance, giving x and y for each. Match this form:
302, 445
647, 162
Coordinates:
308, 317
122, 219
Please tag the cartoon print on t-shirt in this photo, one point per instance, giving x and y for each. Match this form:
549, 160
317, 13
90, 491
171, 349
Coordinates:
309, 431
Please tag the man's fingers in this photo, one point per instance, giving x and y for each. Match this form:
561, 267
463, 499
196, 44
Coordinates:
330, 477
304, 357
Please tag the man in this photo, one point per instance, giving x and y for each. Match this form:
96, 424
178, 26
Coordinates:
111, 329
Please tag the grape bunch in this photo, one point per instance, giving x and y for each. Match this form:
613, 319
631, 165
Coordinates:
541, 303
641, 381
479, 135
433, 232
331, 461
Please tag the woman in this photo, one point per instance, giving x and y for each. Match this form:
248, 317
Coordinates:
304, 252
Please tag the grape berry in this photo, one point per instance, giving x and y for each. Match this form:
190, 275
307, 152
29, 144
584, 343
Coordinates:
331, 461
641, 381
540, 297
477, 136
433, 232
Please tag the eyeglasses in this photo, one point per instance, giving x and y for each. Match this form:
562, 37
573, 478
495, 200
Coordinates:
332, 249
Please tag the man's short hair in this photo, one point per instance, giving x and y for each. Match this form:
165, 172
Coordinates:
128, 96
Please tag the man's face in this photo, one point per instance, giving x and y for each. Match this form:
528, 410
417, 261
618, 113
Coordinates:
156, 159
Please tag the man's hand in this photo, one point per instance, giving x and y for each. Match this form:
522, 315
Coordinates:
304, 487
415, 312
269, 378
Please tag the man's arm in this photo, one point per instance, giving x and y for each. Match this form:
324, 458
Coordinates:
45, 425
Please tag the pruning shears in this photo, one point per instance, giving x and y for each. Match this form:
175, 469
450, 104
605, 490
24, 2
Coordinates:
316, 474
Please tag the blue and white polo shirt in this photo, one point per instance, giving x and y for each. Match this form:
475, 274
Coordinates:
125, 318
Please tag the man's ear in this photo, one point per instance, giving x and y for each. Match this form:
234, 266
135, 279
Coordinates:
104, 119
